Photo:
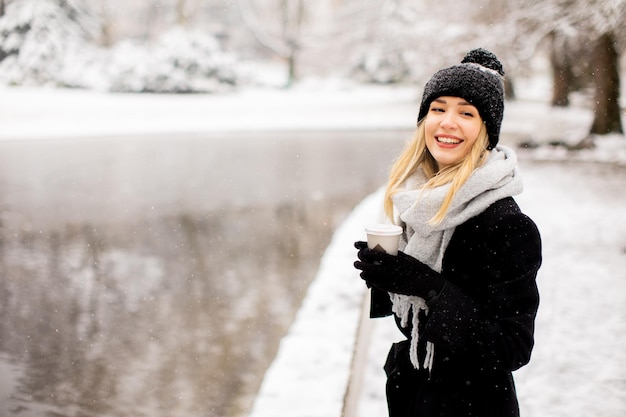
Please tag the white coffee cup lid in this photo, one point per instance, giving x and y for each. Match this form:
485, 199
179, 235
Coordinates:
384, 229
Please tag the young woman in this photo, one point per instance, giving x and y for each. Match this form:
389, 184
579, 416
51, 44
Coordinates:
462, 288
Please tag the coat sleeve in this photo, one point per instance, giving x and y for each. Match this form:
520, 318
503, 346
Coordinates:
380, 303
492, 325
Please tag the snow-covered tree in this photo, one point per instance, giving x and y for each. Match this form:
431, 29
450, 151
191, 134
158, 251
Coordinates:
57, 42
278, 26
46, 42
383, 47
583, 30
406, 40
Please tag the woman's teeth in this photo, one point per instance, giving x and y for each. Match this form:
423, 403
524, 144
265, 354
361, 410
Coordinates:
448, 140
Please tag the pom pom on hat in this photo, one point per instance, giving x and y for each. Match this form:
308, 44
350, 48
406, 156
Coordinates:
485, 58
479, 80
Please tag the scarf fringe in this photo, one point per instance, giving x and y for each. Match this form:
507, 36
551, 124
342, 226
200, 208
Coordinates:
403, 305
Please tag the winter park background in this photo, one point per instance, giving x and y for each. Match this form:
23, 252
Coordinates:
181, 182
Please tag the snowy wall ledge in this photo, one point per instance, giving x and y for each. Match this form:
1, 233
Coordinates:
311, 375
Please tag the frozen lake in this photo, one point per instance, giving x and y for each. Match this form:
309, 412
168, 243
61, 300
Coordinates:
155, 276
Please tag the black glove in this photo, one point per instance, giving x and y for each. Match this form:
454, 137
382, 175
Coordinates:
401, 274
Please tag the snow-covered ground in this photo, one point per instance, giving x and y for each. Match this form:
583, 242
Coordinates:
53, 113
578, 363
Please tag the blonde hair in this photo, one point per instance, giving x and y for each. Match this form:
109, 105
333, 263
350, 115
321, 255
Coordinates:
416, 156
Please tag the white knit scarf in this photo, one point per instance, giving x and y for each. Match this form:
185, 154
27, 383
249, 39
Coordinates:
497, 178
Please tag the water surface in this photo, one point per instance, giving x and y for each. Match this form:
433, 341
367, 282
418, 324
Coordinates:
155, 276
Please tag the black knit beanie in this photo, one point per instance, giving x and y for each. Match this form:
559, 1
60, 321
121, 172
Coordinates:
479, 79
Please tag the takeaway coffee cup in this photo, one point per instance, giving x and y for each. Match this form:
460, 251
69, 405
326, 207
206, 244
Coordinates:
383, 237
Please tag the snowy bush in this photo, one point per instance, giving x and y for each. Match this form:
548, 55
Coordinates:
382, 67
180, 61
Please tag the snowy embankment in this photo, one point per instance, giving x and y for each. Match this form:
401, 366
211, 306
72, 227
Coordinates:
314, 365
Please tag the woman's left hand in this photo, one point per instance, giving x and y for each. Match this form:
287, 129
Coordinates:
401, 274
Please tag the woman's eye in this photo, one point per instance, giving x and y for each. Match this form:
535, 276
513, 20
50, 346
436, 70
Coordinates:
437, 109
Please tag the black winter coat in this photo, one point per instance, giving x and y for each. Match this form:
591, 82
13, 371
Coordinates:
481, 323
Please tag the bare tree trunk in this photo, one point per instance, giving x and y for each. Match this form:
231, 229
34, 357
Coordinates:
509, 88
605, 68
2, 8
562, 74
292, 22
181, 16
152, 18
106, 38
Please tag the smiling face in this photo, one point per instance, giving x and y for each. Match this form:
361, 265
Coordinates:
452, 126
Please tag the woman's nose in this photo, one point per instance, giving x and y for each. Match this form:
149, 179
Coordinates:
449, 120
